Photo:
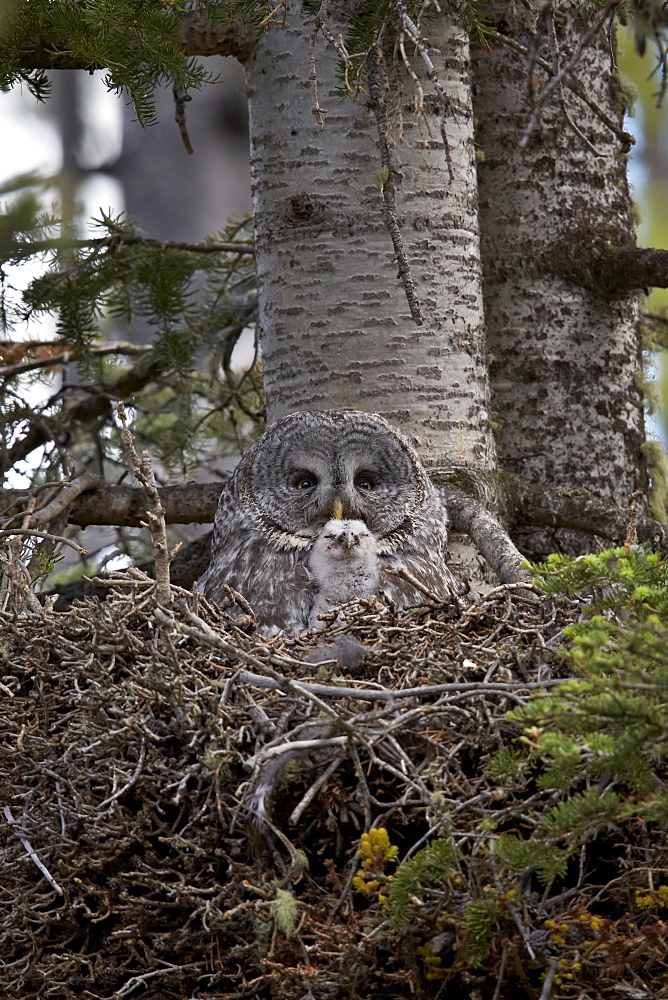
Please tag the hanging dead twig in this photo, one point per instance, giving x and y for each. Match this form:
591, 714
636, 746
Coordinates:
550, 87
387, 190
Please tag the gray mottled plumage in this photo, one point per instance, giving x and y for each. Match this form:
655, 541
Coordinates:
304, 470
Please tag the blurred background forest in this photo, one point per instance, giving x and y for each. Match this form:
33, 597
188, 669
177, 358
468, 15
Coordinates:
97, 162
91, 158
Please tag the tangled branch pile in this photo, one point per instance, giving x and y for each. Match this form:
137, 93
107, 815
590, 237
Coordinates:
194, 810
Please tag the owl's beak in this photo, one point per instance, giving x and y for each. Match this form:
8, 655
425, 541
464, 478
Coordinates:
337, 510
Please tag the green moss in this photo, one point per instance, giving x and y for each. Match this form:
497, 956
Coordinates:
657, 463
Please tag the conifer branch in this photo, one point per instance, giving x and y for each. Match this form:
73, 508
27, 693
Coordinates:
115, 240
63, 357
197, 36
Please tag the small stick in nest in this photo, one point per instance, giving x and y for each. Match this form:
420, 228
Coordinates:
31, 853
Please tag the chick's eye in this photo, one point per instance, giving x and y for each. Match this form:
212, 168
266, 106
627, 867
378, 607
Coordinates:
304, 481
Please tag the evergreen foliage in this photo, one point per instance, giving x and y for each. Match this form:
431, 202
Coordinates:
591, 760
136, 42
610, 723
372, 24
480, 920
430, 866
190, 408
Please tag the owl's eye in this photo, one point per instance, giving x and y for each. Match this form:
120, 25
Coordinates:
364, 482
304, 480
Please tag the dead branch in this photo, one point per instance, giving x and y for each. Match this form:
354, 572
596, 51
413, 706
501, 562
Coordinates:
155, 512
387, 189
126, 505
115, 240
559, 76
573, 85
31, 853
65, 356
65, 495
535, 506
575, 508
590, 260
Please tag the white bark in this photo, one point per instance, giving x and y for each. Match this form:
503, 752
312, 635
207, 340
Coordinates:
565, 361
336, 327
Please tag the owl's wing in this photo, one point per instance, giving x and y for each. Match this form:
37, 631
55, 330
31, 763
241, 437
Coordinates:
227, 512
436, 577
274, 580
421, 556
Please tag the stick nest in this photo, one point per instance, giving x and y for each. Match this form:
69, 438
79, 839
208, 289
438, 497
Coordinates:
184, 800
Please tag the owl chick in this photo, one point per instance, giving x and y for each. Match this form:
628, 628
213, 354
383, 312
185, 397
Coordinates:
343, 563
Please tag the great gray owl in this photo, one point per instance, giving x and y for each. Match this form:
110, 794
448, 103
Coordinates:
305, 470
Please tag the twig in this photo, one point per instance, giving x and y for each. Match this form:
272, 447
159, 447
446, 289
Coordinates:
414, 582
154, 510
502, 972
336, 43
570, 65
308, 797
501, 589
66, 495
547, 985
64, 357
203, 633
313, 69
535, 44
116, 240
377, 103
524, 931
136, 981
573, 84
383, 694
31, 853
180, 99
130, 783
562, 93
632, 527
444, 102
32, 533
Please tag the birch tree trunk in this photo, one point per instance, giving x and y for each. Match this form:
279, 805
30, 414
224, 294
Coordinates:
336, 327
566, 358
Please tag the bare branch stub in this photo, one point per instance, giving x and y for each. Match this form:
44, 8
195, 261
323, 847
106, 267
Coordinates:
180, 99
